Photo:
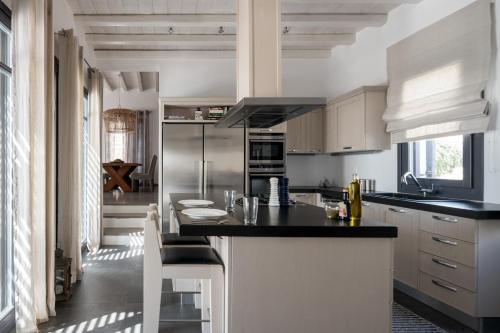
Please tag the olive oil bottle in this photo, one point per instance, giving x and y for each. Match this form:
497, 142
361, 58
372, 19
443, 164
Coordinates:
355, 197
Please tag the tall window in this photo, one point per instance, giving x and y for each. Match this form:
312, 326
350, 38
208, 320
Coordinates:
6, 271
85, 215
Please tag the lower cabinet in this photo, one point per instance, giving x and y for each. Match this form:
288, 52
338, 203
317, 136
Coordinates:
372, 211
452, 259
406, 244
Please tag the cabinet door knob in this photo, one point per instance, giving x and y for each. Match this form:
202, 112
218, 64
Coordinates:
445, 219
401, 211
444, 286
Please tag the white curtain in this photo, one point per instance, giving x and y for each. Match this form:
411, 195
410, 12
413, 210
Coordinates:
34, 212
94, 179
70, 149
437, 77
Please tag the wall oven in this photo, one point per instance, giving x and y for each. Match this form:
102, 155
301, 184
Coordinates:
266, 148
266, 159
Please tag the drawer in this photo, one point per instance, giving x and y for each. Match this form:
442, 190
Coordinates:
447, 270
450, 226
449, 248
448, 293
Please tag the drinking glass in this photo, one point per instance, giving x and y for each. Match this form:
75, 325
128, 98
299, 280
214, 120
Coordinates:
250, 209
229, 198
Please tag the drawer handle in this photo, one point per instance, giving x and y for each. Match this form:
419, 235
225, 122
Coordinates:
365, 204
444, 263
444, 241
444, 219
347, 148
444, 286
300, 195
401, 211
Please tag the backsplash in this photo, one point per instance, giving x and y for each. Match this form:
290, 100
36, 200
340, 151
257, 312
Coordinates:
309, 170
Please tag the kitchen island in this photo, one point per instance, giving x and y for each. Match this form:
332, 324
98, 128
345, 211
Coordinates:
297, 271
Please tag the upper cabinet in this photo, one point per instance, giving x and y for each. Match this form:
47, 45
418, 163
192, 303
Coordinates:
305, 133
354, 121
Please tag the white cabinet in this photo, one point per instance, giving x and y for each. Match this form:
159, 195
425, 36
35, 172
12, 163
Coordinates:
406, 244
354, 121
373, 211
305, 133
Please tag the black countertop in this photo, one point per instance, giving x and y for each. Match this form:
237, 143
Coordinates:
462, 208
293, 221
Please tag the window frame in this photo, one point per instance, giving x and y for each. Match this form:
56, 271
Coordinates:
471, 187
7, 318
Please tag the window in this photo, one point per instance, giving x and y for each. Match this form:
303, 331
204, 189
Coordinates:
6, 250
452, 164
85, 217
441, 158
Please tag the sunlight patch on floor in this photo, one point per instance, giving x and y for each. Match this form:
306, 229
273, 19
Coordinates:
102, 322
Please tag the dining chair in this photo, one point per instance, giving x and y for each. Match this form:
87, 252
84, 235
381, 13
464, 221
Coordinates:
143, 178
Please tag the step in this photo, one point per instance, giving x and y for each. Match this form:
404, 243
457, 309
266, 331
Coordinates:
123, 236
122, 209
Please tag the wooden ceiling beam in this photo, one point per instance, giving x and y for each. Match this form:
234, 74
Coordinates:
314, 41
209, 20
140, 86
162, 54
123, 82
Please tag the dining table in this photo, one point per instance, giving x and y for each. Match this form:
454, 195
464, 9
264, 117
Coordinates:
119, 175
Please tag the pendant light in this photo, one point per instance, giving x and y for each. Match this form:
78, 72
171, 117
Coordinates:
120, 120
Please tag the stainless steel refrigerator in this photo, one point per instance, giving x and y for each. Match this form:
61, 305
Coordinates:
199, 158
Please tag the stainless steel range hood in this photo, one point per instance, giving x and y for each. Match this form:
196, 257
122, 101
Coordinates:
265, 112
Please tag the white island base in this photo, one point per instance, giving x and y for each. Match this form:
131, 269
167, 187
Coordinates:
306, 284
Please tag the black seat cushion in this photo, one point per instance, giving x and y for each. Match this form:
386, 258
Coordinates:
175, 239
189, 256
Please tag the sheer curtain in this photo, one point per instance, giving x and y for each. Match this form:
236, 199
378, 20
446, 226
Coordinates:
33, 207
70, 149
94, 186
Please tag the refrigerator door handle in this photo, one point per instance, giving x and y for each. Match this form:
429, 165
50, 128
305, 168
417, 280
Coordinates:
201, 165
205, 177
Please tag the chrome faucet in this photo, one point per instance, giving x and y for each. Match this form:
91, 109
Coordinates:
421, 189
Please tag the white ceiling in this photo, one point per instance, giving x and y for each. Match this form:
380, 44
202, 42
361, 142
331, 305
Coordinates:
140, 81
160, 28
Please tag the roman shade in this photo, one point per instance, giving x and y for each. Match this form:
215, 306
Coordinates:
437, 77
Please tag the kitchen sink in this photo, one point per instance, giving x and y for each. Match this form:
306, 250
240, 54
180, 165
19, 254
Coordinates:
411, 197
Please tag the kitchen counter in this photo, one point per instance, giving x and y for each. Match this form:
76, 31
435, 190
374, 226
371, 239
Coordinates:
462, 208
296, 271
299, 220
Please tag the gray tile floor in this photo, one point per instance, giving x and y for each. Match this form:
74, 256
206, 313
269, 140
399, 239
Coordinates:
109, 299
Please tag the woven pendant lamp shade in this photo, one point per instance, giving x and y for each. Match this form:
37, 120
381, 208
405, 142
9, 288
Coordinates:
120, 120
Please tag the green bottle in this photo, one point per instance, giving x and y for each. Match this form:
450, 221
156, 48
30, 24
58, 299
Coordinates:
355, 197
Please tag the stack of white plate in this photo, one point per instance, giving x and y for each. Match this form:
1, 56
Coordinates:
204, 213
274, 199
195, 203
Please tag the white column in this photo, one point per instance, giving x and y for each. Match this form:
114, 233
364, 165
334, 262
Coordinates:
258, 48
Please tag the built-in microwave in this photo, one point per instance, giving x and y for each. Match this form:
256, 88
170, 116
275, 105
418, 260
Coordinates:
266, 148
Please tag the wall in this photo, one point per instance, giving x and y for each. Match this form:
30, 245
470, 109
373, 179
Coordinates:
364, 63
63, 19
137, 100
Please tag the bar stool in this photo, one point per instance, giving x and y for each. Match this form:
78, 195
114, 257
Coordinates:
178, 263
173, 239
